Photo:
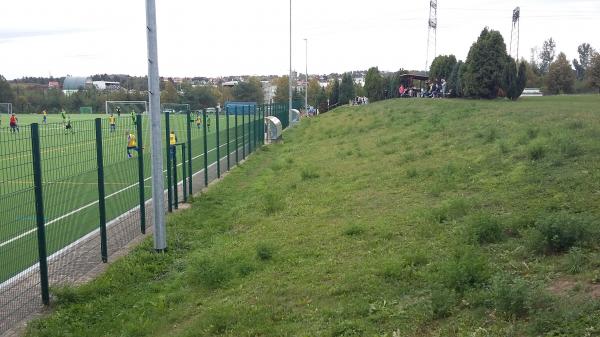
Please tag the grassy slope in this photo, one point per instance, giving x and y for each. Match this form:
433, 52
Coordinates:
402, 218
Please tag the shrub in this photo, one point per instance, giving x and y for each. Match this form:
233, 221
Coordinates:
450, 210
576, 260
485, 228
467, 268
264, 251
354, 230
536, 152
412, 173
442, 302
503, 148
510, 295
532, 133
561, 231
273, 204
308, 173
568, 147
211, 272
490, 136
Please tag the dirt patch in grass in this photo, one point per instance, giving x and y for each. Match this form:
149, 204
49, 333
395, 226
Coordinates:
563, 286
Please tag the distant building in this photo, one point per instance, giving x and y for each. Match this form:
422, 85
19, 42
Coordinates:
106, 85
269, 91
360, 81
74, 84
230, 84
54, 85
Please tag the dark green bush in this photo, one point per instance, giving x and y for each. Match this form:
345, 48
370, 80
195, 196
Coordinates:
450, 210
536, 152
211, 272
466, 269
561, 231
273, 204
510, 295
309, 173
485, 228
354, 230
443, 301
264, 251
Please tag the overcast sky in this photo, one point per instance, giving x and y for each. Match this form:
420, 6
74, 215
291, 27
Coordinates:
235, 37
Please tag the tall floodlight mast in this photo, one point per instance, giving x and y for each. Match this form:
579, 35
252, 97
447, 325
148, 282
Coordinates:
432, 30
514, 33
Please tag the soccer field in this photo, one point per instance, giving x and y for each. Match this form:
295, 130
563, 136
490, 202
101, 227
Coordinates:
69, 177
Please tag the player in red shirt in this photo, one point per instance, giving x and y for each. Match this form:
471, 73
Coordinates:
14, 127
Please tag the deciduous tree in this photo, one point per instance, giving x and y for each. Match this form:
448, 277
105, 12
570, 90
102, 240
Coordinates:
593, 74
547, 55
6, 93
561, 77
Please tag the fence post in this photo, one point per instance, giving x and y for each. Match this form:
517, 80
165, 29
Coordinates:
243, 133
218, 145
249, 130
227, 126
101, 194
169, 180
205, 148
141, 184
140, 137
255, 126
261, 125
237, 147
184, 175
39, 211
189, 149
175, 180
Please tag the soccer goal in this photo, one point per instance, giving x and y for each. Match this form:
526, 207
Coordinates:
6, 108
86, 110
125, 107
174, 108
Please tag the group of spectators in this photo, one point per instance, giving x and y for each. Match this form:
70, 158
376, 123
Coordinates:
433, 89
360, 100
436, 89
408, 92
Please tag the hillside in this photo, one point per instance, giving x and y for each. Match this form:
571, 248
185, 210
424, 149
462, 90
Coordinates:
400, 218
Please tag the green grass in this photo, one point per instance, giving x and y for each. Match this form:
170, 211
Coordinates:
70, 179
459, 231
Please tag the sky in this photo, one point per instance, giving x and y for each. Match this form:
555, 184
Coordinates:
244, 37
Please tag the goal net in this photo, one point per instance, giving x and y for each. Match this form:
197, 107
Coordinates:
174, 108
126, 107
6, 108
85, 110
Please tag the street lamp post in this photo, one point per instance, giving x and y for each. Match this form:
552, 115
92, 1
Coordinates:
290, 79
306, 87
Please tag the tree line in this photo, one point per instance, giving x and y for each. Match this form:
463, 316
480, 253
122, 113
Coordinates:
32, 95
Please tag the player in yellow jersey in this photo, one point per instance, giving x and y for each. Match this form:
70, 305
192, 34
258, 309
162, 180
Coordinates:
131, 144
112, 121
172, 142
199, 121
44, 117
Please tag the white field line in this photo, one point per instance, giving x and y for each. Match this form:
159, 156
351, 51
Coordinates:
94, 232
64, 216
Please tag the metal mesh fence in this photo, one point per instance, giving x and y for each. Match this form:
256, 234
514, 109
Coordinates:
95, 192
